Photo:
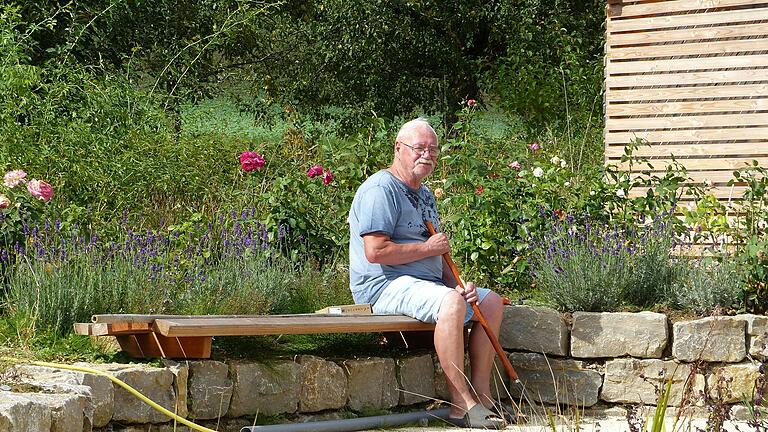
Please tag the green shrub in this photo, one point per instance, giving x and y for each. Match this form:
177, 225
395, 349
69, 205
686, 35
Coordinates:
704, 285
581, 266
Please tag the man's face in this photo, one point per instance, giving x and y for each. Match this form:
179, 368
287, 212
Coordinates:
418, 152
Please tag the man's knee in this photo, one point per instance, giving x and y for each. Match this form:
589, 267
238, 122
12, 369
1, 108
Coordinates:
492, 305
452, 305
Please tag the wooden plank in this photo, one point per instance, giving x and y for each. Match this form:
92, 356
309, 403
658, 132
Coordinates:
704, 250
687, 78
674, 6
720, 192
694, 48
729, 164
699, 177
743, 150
677, 35
675, 94
652, 23
646, 123
150, 318
111, 329
297, 324
689, 64
698, 107
671, 136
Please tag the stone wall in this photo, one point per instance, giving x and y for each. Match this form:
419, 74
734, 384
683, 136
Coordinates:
598, 359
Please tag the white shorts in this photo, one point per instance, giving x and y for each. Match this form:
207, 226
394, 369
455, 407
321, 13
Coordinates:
418, 298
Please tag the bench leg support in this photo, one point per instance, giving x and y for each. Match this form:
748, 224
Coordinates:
145, 345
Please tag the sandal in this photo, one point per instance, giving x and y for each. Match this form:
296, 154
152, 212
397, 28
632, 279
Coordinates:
479, 417
507, 412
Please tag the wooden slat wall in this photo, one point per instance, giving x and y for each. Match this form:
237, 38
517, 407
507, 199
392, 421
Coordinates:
691, 78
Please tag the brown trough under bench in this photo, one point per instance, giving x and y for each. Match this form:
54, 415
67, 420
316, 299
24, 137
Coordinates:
189, 337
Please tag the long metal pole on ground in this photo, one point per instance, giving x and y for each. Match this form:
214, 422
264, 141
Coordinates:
355, 424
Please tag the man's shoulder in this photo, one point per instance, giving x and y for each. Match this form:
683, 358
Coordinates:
380, 179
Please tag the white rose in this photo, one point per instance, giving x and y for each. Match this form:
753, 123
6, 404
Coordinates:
567, 184
591, 193
538, 172
563, 164
555, 160
620, 193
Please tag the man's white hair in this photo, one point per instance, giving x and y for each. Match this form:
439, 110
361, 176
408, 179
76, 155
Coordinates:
407, 129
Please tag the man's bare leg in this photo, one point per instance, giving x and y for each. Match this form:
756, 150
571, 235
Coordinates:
481, 352
449, 345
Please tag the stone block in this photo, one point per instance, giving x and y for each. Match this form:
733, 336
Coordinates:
617, 334
264, 389
757, 335
411, 374
210, 389
98, 390
323, 385
180, 385
372, 383
154, 383
733, 383
540, 330
712, 339
21, 412
636, 381
67, 411
573, 382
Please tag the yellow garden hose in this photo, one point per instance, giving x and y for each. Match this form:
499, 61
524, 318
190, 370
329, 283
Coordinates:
133, 391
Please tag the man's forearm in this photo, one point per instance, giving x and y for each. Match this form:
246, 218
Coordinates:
391, 253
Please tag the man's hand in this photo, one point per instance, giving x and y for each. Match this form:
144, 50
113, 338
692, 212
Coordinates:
438, 244
469, 292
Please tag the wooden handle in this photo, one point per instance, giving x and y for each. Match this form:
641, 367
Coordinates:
480, 318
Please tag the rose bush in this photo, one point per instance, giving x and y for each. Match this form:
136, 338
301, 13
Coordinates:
21, 209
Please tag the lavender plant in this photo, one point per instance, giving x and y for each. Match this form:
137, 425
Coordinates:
704, 285
227, 266
586, 267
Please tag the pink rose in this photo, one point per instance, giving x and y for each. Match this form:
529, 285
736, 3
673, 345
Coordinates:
250, 161
479, 190
40, 190
315, 171
515, 165
471, 102
327, 177
534, 146
12, 178
4, 202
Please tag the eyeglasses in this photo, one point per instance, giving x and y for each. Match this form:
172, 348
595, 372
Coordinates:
434, 150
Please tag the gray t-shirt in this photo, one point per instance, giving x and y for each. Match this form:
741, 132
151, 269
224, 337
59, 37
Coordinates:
384, 204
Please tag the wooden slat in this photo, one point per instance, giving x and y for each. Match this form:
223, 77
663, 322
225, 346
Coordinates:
676, 94
729, 164
720, 192
698, 177
753, 133
664, 36
671, 21
675, 6
687, 78
704, 250
645, 123
698, 107
736, 149
150, 318
698, 48
297, 324
111, 329
724, 62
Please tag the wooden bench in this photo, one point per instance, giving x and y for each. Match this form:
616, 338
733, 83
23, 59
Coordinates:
190, 336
